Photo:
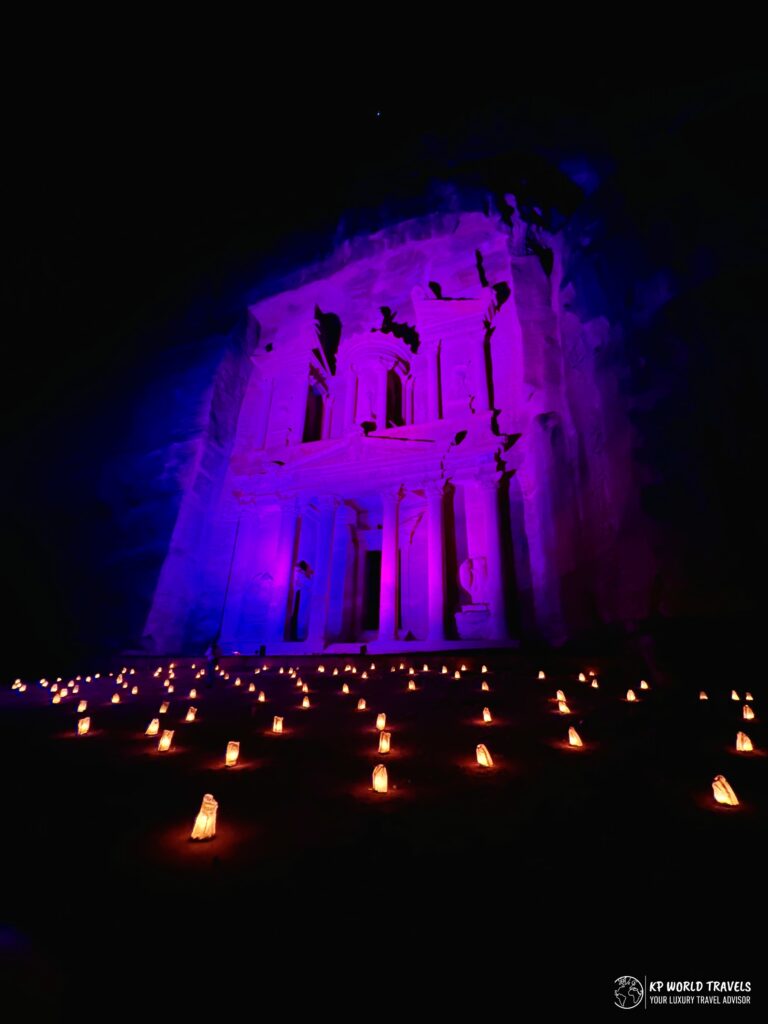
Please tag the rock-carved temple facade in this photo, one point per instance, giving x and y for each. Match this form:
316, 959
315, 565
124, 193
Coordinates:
409, 468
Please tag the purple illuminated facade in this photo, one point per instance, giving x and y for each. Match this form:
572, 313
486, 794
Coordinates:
426, 455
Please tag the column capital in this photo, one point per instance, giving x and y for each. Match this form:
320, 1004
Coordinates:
391, 495
489, 480
434, 488
327, 502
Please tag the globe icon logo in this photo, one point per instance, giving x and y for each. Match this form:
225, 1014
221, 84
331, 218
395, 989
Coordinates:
627, 992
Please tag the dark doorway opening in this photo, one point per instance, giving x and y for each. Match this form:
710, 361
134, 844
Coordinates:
395, 416
371, 588
294, 628
313, 421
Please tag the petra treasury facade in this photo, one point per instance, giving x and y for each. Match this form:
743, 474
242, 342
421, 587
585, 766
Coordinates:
426, 454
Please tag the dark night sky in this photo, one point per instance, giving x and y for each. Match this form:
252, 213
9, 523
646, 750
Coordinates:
132, 197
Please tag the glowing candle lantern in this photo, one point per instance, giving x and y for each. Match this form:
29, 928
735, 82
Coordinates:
75, 688
401, 666
305, 688
734, 695
487, 717
595, 685
483, 669
644, 685
747, 713
238, 682
457, 674
559, 695
703, 695
321, 668
364, 675
484, 758
134, 690
281, 670
82, 706
251, 687
205, 822
305, 702
84, 724
573, 738
299, 684
153, 728
56, 698
743, 742
354, 671
463, 668
372, 667
277, 724
484, 686
425, 667
384, 741
541, 675
262, 697
23, 688
582, 677
233, 752
444, 670
170, 689
748, 696
164, 708
54, 688
335, 671
361, 704
192, 693
347, 668
411, 684
563, 708
380, 780
115, 698
723, 792
381, 721
631, 696
165, 740
410, 671
191, 712
345, 688
119, 678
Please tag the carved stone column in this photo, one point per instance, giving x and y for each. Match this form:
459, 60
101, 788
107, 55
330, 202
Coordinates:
432, 355
389, 568
326, 505
342, 566
283, 570
435, 560
488, 484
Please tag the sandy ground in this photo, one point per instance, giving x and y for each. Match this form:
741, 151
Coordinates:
535, 883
